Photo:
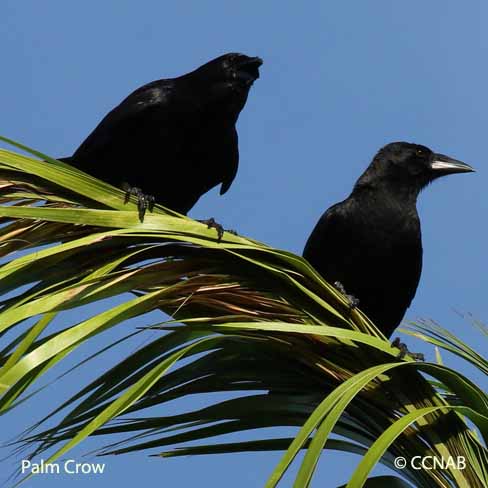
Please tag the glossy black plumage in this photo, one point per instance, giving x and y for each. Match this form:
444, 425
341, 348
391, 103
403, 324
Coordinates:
174, 138
371, 242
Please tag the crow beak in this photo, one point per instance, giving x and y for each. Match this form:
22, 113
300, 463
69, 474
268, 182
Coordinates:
251, 62
444, 165
247, 70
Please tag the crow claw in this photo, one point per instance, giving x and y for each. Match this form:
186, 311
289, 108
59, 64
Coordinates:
418, 356
211, 223
144, 202
353, 301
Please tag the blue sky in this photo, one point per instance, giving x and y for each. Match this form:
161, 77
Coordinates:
339, 80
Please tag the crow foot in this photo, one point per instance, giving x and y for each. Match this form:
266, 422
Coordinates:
211, 223
144, 202
353, 301
418, 356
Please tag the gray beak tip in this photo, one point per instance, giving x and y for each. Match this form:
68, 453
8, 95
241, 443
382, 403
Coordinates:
445, 165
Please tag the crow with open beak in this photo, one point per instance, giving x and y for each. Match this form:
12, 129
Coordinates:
174, 139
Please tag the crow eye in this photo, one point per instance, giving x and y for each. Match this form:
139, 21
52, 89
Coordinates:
420, 152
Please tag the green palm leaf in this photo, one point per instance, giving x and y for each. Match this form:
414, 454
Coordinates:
256, 323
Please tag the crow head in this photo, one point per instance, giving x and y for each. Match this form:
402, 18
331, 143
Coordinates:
240, 69
405, 167
233, 69
225, 82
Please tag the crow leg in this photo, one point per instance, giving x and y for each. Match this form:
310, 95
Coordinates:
211, 223
418, 356
353, 301
144, 202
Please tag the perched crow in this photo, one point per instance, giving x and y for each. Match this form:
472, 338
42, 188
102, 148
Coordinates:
172, 140
371, 242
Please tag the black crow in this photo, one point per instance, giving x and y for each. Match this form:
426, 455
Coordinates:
371, 242
174, 139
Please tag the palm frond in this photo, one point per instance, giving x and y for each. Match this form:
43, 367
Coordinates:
256, 323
